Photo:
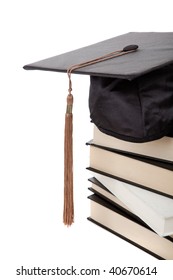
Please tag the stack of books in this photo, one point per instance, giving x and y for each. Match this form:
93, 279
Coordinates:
132, 188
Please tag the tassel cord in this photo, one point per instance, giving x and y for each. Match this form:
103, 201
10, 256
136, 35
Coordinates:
68, 214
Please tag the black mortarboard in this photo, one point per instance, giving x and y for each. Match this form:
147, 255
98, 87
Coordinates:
131, 92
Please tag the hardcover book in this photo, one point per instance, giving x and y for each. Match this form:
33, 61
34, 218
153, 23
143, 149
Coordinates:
157, 149
155, 210
100, 190
111, 218
139, 172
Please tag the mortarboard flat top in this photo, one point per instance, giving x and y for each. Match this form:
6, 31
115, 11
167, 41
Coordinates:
155, 51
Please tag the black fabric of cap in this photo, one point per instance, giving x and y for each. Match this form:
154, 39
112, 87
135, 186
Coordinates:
131, 96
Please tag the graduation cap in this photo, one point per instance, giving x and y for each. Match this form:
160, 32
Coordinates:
131, 91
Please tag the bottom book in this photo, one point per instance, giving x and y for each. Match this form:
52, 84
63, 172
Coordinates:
111, 218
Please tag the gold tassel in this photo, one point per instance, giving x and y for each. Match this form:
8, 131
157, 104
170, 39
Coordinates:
68, 214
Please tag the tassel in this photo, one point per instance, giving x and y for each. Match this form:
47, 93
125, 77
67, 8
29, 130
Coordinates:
68, 214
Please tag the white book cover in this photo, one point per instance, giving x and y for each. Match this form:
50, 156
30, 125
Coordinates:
154, 209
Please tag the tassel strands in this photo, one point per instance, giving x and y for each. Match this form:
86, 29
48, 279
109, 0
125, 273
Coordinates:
68, 214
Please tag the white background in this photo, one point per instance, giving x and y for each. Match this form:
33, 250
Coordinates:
32, 107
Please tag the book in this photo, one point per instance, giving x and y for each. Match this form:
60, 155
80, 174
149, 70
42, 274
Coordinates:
111, 218
155, 210
143, 174
158, 149
100, 190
